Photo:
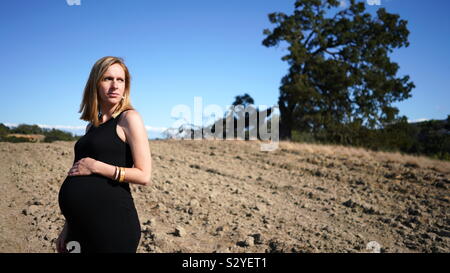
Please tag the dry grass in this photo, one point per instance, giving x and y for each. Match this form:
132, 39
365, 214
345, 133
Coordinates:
366, 154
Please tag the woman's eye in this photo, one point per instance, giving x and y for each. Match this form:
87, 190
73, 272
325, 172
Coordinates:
110, 79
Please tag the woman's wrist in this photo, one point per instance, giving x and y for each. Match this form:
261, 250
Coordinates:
103, 169
96, 166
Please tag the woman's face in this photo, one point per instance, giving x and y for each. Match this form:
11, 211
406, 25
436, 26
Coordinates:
112, 85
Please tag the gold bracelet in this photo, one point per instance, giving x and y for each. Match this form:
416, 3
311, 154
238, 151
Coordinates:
119, 173
116, 173
122, 175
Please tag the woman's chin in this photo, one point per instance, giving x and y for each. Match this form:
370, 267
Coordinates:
113, 100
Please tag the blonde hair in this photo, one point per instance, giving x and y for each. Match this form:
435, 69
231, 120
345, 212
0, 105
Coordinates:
90, 105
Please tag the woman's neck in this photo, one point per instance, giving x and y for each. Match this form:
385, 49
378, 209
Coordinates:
107, 112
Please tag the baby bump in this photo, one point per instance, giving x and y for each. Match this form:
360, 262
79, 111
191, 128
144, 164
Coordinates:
91, 194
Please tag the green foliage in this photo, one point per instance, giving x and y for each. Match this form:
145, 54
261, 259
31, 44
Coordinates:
54, 134
50, 134
4, 130
429, 138
243, 100
27, 129
434, 136
340, 72
298, 136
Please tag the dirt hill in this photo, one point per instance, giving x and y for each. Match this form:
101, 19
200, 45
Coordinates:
228, 196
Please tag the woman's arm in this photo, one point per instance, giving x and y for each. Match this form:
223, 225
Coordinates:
132, 175
137, 138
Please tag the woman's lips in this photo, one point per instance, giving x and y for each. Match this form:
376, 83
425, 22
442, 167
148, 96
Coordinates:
113, 95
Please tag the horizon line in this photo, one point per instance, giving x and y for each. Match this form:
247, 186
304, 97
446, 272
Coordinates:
81, 127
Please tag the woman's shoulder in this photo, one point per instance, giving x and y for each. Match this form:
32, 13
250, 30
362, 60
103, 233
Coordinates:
130, 113
130, 117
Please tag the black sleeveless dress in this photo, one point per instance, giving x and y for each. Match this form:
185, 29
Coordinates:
100, 211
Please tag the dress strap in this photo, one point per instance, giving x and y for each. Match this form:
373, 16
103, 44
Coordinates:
118, 116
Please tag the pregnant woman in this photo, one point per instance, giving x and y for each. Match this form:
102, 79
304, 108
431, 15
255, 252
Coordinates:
95, 198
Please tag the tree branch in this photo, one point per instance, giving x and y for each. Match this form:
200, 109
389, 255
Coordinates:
331, 53
307, 39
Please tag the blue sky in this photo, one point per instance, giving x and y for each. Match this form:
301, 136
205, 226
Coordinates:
178, 50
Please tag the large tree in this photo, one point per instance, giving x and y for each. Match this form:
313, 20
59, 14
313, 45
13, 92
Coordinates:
340, 70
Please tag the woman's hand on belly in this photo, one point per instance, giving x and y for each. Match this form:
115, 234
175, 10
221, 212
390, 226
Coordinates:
84, 166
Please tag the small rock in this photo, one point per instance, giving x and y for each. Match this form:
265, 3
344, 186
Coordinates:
438, 249
149, 222
443, 233
31, 210
250, 241
180, 232
219, 229
385, 220
258, 238
430, 236
35, 202
222, 250
194, 166
349, 203
369, 211
194, 203
410, 245
276, 246
146, 231
414, 212
360, 182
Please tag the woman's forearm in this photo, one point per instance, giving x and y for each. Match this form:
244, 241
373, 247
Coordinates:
132, 175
